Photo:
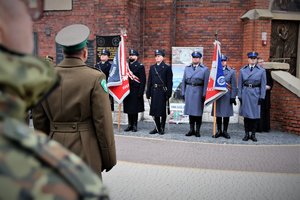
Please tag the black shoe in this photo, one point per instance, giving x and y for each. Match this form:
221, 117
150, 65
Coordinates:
153, 131
225, 135
246, 137
190, 133
129, 128
197, 134
253, 138
161, 132
134, 129
218, 134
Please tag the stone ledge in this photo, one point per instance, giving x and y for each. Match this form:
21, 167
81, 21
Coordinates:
288, 81
276, 66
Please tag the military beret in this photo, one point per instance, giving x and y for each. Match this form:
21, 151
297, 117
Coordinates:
73, 37
105, 52
224, 58
252, 54
196, 54
133, 52
159, 52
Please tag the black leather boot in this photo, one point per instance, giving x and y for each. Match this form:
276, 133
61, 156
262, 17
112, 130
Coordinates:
162, 130
197, 134
246, 137
192, 130
253, 138
219, 127
157, 129
225, 127
134, 122
129, 127
226, 135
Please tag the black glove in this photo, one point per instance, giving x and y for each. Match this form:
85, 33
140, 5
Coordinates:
232, 101
240, 99
260, 100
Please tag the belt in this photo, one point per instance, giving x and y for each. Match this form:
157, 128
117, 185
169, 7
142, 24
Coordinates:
70, 126
158, 85
195, 84
251, 85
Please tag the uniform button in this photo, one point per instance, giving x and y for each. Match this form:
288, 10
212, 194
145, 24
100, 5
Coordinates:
55, 127
73, 126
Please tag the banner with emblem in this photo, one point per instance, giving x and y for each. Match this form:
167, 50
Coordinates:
118, 82
216, 85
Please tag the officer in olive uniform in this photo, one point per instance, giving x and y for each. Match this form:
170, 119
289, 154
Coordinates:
77, 113
159, 89
104, 65
194, 85
224, 107
134, 102
251, 93
32, 166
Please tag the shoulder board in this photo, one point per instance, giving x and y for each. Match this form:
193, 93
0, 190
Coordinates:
245, 67
231, 68
67, 164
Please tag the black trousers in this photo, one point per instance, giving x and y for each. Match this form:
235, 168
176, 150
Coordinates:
250, 125
225, 123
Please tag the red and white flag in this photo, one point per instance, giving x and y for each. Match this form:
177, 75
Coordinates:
118, 82
216, 85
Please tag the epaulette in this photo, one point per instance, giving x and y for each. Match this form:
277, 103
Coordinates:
244, 66
67, 164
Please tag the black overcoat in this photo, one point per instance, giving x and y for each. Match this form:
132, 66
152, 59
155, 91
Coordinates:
134, 102
155, 89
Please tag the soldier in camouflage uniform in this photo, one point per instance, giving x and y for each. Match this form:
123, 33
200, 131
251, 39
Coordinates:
32, 167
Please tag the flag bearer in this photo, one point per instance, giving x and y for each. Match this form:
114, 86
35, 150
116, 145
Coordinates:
194, 85
159, 89
134, 102
224, 105
251, 92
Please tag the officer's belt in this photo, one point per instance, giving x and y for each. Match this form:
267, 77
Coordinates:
158, 85
70, 126
195, 84
251, 85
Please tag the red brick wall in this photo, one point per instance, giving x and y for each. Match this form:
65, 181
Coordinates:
285, 109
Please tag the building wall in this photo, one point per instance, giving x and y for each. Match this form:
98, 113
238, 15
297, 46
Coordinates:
161, 24
285, 109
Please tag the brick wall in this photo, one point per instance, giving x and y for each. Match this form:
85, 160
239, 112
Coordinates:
285, 109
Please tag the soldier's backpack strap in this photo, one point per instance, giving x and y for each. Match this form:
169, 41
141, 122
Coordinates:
69, 166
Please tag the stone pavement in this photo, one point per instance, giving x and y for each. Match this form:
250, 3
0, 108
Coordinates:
173, 166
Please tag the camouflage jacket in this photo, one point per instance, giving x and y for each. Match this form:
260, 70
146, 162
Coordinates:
31, 166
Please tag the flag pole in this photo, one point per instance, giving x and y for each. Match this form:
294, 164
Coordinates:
215, 104
119, 117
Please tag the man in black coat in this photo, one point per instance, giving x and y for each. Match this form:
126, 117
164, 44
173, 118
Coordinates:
134, 102
159, 89
104, 66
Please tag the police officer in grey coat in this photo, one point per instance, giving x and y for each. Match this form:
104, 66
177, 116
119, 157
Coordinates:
159, 89
194, 85
251, 93
224, 107
134, 102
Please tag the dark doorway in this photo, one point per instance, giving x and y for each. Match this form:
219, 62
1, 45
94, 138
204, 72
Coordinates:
284, 42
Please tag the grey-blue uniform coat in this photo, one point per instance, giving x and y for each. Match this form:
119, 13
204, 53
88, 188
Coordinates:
194, 93
224, 107
157, 94
250, 95
134, 102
